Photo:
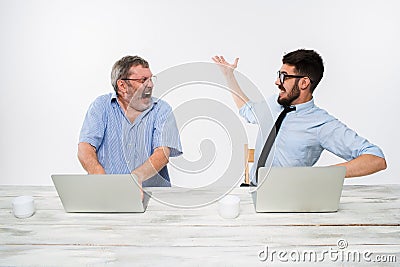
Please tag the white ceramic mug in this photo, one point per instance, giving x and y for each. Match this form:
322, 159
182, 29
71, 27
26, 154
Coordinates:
229, 207
23, 207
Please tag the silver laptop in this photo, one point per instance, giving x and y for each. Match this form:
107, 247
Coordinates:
299, 189
100, 193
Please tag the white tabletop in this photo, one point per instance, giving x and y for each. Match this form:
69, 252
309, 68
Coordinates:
368, 221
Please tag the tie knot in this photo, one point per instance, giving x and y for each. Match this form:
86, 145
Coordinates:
288, 109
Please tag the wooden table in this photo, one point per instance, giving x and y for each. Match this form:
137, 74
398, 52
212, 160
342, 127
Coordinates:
368, 220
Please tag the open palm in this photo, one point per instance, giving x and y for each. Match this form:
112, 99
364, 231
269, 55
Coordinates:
225, 66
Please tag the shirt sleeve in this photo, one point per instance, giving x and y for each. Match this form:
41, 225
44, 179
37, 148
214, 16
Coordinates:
248, 112
166, 132
260, 113
342, 141
93, 127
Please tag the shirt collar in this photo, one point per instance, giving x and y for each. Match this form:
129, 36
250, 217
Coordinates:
305, 106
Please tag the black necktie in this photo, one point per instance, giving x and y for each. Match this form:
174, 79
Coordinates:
271, 138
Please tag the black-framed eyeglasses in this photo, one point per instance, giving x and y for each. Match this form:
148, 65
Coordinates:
282, 76
153, 79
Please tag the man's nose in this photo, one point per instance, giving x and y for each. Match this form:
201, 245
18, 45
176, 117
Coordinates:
150, 83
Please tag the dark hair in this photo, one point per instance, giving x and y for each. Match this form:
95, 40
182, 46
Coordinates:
308, 63
121, 68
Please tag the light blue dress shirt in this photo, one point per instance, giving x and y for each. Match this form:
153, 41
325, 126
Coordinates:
123, 146
304, 134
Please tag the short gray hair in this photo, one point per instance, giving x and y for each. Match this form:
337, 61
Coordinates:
121, 68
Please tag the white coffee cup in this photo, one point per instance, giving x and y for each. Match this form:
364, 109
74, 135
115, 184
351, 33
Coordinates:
229, 207
23, 207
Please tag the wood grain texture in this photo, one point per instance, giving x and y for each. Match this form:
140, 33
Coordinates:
368, 219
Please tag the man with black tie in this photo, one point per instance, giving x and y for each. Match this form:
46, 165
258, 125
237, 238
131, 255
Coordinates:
305, 130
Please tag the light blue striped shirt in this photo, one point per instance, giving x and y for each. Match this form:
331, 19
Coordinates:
123, 146
305, 133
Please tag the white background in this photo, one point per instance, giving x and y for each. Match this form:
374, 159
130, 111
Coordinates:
56, 57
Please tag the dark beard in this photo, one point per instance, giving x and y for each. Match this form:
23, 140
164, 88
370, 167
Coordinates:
293, 95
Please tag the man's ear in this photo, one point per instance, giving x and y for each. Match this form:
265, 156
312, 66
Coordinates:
121, 86
304, 83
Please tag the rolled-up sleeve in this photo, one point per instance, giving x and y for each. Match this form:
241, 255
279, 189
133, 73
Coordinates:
166, 132
248, 112
342, 141
93, 127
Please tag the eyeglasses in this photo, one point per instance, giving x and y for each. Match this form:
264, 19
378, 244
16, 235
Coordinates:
153, 79
282, 76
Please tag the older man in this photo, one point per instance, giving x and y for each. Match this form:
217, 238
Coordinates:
129, 131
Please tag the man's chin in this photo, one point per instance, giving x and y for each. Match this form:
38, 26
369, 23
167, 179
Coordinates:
283, 101
141, 106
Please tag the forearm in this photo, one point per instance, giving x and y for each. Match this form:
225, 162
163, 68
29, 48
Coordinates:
364, 165
154, 164
238, 95
228, 71
88, 159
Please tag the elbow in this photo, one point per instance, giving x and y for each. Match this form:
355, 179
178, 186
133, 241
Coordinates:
382, 164
379, 164
85, 152
79, 153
